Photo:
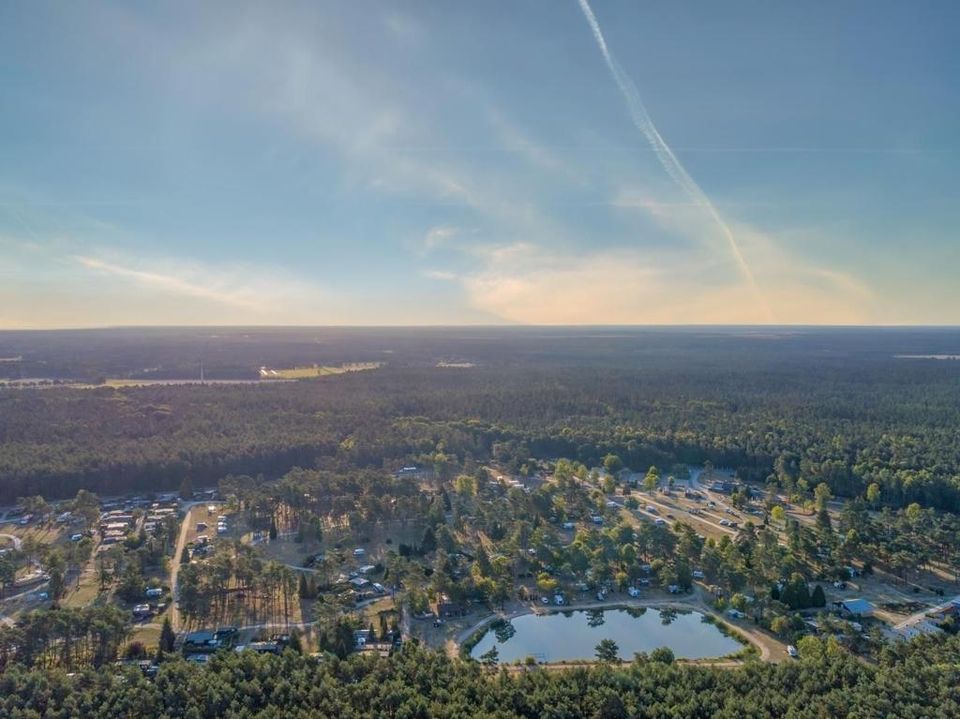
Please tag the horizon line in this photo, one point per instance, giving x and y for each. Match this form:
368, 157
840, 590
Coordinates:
492, 325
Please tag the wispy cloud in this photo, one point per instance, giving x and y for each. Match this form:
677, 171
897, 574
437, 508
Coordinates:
439, 235
435, 175
641, 118
258, 291
441, 275
171, 284
531, 284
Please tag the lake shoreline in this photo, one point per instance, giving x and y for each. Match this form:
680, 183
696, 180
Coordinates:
467, 641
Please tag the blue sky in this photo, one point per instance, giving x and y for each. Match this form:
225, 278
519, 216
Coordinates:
450, 162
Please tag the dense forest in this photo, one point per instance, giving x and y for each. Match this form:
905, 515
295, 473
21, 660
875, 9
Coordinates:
848, 424
918, 679
809, 414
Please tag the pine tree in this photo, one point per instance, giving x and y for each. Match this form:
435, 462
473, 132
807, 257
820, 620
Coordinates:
491, 656
429, 542
167, 637
295, 644
818, 599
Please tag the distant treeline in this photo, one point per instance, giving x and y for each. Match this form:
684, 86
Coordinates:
239, 352
848, 424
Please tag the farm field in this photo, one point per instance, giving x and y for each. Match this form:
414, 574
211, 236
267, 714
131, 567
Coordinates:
314, 371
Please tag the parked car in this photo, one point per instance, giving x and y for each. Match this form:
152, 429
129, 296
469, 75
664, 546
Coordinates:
792, 651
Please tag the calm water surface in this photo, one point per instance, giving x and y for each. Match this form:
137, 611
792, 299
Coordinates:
575, 635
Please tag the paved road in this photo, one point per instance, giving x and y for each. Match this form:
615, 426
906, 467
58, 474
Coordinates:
919, 616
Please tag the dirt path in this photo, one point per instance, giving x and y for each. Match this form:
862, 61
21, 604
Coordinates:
17, 542
175, 565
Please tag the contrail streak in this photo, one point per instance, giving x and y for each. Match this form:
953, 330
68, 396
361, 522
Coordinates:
640, 117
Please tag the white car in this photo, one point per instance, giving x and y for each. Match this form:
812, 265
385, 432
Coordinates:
792, 651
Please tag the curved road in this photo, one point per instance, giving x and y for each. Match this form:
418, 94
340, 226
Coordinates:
17, 542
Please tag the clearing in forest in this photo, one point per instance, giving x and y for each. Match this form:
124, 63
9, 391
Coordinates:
316, 370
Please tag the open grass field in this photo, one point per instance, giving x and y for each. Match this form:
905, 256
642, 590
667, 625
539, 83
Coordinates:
371, 612
314, 371
42, 534
147, 634
86, 592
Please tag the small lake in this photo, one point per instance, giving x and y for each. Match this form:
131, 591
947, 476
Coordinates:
575, 634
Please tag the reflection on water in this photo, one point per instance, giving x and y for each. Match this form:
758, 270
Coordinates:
503, 630
594, 617
574, 634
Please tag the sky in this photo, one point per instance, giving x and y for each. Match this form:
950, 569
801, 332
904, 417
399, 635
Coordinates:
343, 162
